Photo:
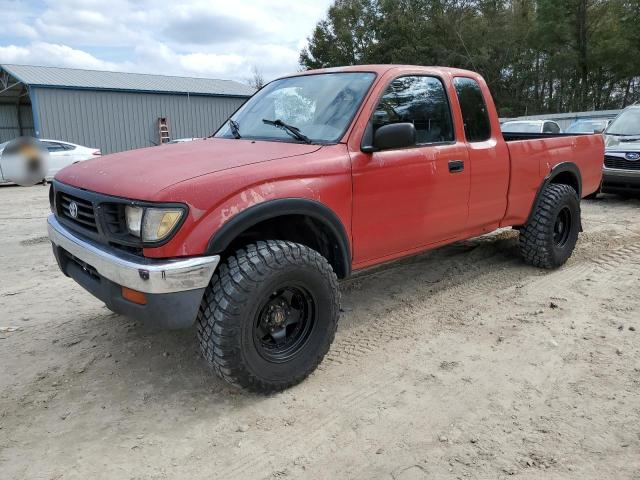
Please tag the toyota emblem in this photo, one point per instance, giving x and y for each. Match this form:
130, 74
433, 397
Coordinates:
73, 209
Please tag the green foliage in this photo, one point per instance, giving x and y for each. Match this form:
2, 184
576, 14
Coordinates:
538, 56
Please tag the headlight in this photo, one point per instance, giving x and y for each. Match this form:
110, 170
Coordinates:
134, 219
611, 141
152, 224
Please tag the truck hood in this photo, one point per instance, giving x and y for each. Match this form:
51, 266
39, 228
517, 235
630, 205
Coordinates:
141, 174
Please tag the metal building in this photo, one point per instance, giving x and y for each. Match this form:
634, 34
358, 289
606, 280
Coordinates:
111, 111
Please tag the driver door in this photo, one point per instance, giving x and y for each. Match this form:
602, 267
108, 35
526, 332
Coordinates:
406, 199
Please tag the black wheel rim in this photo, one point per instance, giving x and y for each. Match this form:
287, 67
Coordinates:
562, 227
284, 323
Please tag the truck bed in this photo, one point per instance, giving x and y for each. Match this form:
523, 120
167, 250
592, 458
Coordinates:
532, 156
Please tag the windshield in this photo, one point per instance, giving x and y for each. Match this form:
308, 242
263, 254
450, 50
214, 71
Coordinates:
320, 107
627, 123
587, 126
520, 127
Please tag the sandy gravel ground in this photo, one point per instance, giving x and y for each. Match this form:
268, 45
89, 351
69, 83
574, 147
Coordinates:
459, 363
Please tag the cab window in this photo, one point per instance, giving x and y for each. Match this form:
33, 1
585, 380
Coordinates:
419, 100
477, 127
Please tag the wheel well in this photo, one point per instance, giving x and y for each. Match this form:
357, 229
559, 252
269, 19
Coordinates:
297, 228
565, 173
568, 178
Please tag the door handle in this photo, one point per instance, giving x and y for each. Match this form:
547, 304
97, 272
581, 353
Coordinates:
456, 166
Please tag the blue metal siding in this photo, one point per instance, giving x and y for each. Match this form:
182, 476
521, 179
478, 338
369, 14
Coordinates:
117, 121
33, 96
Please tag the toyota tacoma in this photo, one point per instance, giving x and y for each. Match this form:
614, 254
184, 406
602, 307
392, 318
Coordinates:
318, 175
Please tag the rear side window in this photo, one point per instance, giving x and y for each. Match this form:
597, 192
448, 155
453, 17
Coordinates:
419, 100
551, 127
53, 146
477, 127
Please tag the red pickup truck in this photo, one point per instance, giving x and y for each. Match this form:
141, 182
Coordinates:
319, 174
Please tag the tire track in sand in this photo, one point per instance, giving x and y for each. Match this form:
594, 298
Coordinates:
499, 279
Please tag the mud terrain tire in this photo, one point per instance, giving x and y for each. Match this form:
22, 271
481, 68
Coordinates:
269, 315
550, 235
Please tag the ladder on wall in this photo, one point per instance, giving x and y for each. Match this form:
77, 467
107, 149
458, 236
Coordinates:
163, 130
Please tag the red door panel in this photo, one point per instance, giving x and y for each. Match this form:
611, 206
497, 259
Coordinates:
489, 165
404, 199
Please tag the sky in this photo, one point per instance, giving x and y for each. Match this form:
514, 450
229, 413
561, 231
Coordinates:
200, 38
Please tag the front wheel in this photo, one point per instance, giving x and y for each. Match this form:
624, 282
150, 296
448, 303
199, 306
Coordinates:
269, 315
550, 235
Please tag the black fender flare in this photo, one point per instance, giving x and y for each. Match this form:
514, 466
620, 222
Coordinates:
270, 209
561, 168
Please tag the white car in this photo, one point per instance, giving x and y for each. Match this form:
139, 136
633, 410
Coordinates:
530, 126
183, 140
61, 154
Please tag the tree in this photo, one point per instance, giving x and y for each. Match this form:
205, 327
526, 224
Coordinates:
345, 37
537, 56
256, 80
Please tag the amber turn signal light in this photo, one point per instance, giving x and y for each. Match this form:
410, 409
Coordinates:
134, 296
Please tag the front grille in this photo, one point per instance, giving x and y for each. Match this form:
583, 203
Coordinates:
100, 217
114, 218
621, 163
85, 217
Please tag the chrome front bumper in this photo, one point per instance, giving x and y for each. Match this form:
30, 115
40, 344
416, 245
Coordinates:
145, 275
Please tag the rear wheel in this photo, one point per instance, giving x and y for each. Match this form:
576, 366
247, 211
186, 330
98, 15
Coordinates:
269, 315
548, 239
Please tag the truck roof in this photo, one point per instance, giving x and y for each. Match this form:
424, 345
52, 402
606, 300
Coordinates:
381, 69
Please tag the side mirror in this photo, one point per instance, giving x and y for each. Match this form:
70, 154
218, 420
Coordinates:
394, 135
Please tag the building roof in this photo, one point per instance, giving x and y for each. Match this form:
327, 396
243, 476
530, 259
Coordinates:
53, 77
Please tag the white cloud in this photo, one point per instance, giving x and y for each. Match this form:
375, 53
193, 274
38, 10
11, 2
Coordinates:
42, 53
194, 37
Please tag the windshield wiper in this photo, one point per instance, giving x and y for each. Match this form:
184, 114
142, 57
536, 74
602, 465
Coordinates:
295, 131
235, 128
